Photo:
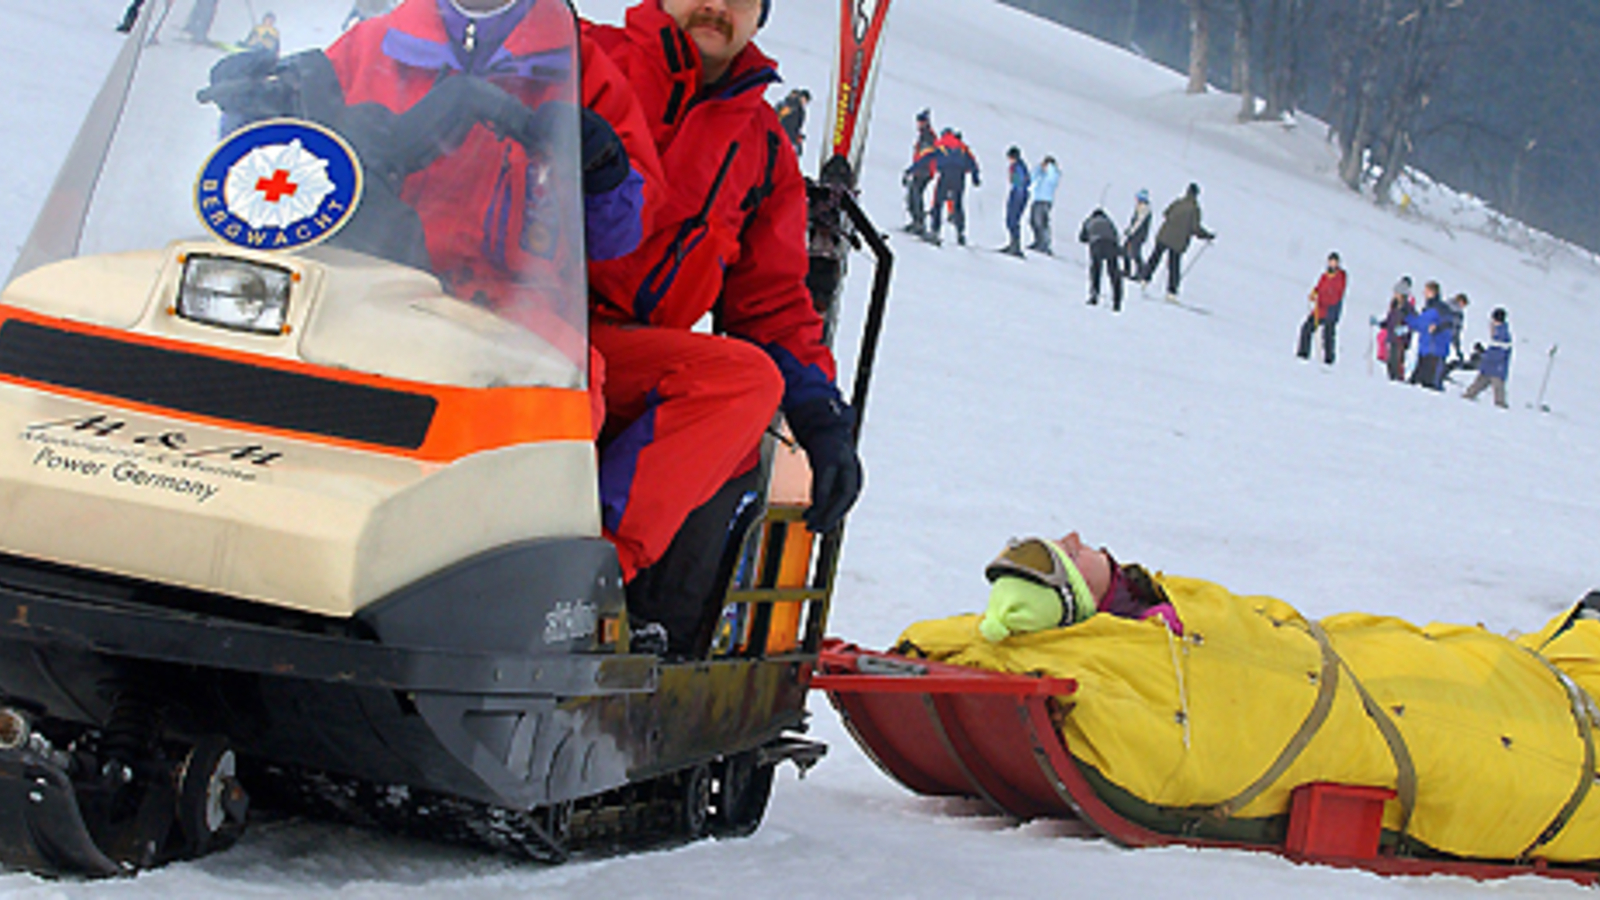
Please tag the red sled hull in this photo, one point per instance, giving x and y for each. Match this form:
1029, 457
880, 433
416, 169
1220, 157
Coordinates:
951, 731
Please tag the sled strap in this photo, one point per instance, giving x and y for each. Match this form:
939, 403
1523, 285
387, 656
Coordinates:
1405, 769
1327, 688
1584, 713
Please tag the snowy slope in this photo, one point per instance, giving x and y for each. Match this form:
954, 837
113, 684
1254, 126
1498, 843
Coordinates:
1004, 405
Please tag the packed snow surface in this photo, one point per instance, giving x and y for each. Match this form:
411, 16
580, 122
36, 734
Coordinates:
1003, 405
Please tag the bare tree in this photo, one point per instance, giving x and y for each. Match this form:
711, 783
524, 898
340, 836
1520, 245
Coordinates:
1199, 46
1242, 29
1426, 44
1361, 47
1282, 56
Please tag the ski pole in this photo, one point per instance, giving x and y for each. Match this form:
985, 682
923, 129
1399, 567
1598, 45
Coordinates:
251, 8
1549, 364
1184, 275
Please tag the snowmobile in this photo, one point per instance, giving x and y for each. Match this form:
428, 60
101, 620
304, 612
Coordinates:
287, 523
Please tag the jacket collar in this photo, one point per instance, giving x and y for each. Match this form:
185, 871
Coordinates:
429, 34
657, 32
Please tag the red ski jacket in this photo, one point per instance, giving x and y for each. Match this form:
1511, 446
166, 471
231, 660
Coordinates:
1328, 292
730, 236
474, 202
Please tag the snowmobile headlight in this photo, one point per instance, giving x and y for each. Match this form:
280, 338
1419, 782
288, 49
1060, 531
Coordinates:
235, 293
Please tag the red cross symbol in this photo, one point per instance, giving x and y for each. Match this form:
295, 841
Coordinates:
277, 187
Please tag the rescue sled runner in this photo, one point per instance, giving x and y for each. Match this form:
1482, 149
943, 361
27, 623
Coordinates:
1029, 745
285, 523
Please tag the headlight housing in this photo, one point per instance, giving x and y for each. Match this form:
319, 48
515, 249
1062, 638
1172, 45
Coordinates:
235, 294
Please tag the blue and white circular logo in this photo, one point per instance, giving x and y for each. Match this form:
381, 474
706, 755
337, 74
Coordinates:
280, 184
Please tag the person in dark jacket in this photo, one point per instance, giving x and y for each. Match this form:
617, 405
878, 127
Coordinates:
1016, 200
1138, 232
1327, 300
954, 162
919, 174
1456, 310
792, 116
1100, 233
1432, 328
1397, 334
1494, 366
1180, 223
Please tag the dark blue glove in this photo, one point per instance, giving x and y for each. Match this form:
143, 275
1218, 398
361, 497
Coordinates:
605, 160
826, 429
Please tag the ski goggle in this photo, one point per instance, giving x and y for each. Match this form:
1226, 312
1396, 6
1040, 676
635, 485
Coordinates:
1045, 563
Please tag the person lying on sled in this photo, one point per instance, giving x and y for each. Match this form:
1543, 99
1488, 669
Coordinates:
1037, 584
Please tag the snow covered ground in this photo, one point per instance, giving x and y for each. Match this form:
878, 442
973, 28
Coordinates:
1003, 405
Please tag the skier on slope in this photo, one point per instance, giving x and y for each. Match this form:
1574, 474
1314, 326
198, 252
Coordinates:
1180, 223
1327, 300
686, 411
791, 112
198, 26
954, 163
920, 173
1016, 200
1431, 326
1134, 237
1494, 366
1396, 333
1100, 233
1045, 181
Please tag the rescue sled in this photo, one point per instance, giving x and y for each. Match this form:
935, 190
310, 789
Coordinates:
952, 731
283, 523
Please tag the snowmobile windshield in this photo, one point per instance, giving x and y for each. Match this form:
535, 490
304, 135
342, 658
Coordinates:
410, 179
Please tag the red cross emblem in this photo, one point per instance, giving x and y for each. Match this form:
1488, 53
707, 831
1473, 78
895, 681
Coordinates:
277, 187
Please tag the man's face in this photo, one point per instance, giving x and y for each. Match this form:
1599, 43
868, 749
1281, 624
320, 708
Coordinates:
719, 28
1333, 264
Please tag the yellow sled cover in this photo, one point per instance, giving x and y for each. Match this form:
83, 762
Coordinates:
1488, 742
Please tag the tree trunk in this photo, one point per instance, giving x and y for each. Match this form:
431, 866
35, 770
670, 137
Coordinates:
1199, 46
1241, 63
1363, 116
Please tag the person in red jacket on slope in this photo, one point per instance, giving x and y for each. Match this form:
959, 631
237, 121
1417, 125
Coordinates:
686, 410
1327, 299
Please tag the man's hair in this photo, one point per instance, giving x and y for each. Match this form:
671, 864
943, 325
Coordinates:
1334, 255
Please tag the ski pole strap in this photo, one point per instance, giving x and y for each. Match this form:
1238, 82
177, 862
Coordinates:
1327, 688
1584, 713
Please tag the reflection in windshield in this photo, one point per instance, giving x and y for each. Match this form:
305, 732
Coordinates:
467, 147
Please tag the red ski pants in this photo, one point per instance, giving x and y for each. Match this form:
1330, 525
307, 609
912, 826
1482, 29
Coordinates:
684, 413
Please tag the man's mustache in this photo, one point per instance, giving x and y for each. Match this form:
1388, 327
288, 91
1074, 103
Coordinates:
715, 20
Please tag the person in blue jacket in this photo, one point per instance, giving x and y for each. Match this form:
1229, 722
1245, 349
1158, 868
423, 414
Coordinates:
1495, 364
1432, 328
1016, 201
1045, 180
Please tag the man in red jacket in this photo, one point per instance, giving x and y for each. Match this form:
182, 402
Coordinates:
686, 410
1327, 299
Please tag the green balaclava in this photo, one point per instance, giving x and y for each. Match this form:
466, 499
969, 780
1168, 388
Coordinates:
1034, 586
